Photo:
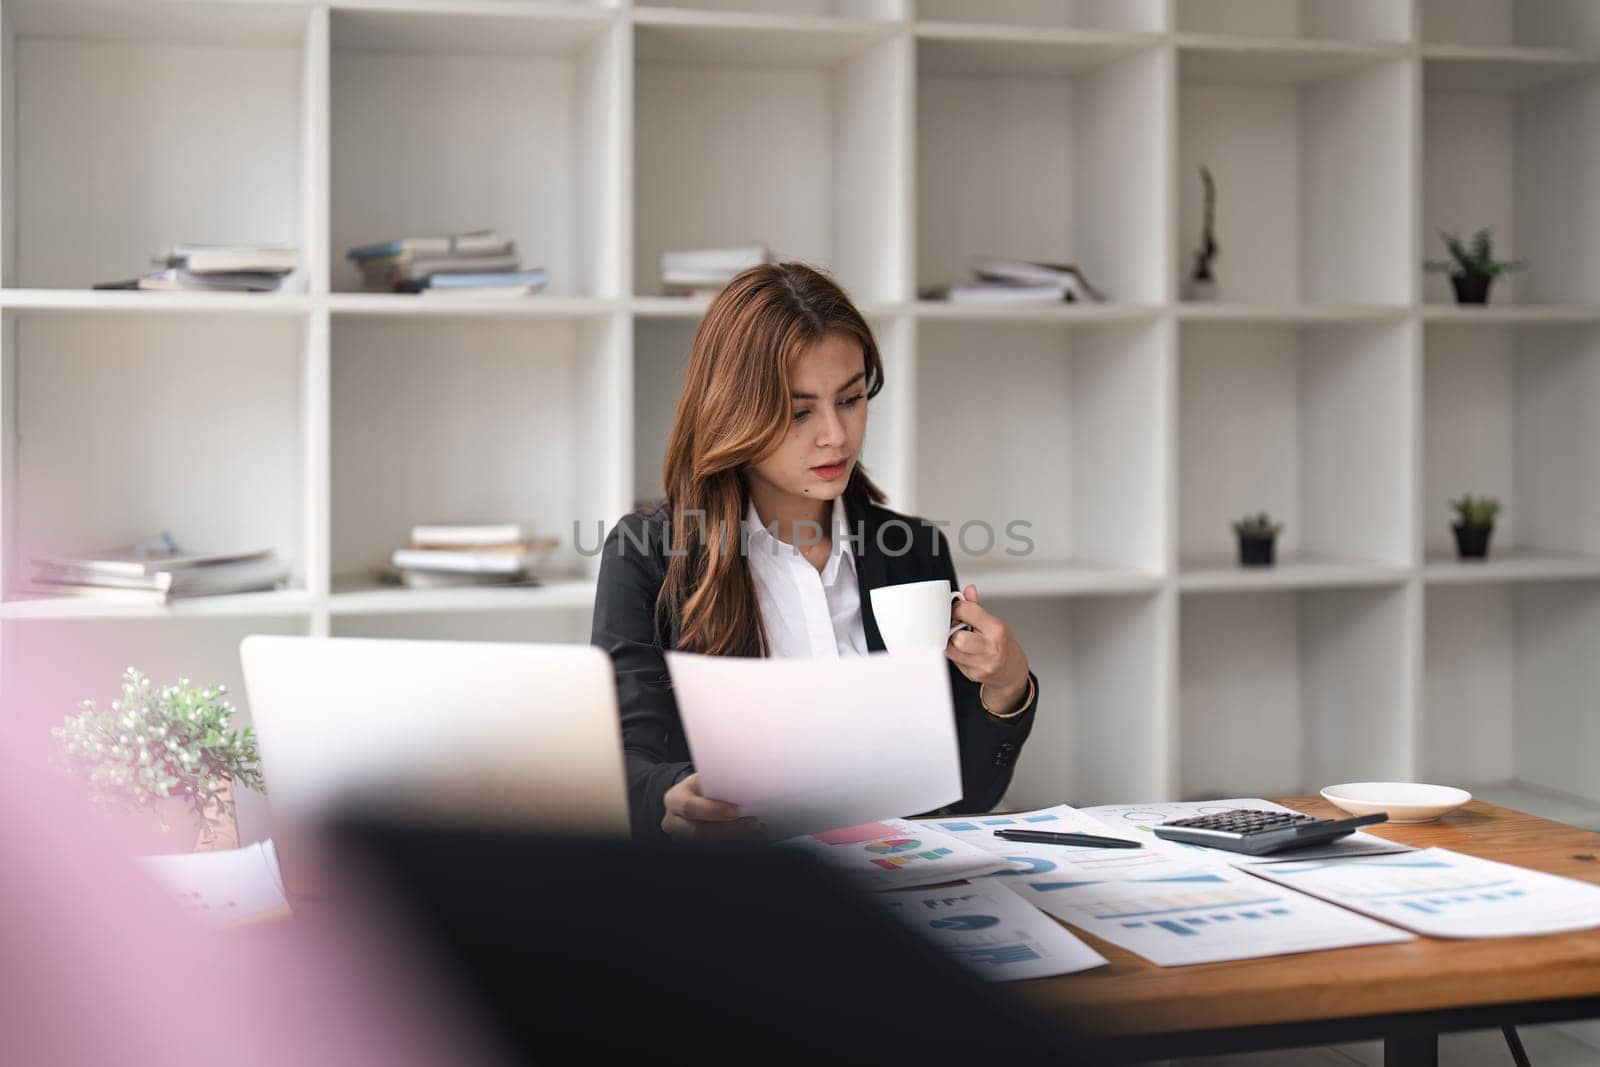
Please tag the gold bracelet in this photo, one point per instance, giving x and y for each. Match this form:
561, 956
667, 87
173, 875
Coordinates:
1026, 700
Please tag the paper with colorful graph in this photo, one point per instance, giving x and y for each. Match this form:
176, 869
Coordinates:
988, 928
1202, 915
897, 854
1447, 894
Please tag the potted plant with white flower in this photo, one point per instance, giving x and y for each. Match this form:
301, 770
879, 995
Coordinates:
166, 755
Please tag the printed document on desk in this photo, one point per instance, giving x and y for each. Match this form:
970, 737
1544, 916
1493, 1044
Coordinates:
1447, 894
1205, 915
992, 931
809, 744
1027, 858
1139, 820
897, 854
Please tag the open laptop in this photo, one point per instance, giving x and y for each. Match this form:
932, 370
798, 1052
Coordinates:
516, 736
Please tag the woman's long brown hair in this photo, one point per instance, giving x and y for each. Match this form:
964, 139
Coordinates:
734, 411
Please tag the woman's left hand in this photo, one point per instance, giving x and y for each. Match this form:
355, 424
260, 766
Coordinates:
988, 654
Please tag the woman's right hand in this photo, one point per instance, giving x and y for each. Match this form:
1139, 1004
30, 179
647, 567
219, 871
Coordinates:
692, 817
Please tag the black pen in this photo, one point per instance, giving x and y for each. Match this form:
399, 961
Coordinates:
1043, 837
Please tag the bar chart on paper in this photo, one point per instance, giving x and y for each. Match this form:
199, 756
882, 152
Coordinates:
1446, 894
1202, 916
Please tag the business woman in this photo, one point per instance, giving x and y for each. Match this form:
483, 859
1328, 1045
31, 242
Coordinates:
769, 541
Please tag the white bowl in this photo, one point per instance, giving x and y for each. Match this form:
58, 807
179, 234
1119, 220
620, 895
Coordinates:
1405, 802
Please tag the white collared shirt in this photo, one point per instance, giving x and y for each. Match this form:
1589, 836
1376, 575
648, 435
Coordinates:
808, 614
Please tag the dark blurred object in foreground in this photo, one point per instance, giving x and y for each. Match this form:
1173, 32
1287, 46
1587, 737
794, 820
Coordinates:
711, 956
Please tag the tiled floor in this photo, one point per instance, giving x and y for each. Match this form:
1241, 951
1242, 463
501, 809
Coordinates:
1547, 1046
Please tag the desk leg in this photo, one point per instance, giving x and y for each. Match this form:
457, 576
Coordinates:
1411, 1052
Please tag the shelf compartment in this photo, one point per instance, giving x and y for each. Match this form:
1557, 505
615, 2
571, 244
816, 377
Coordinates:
1508, 413
293, 602
1506, 159
407, 305
1063, 167
425, 141
1334, 20
1532, 24
1021, 580
803, 153
1311, 424
459, 421
1285, 692
1510, 672
120, 426
1311, 149
1100, 661
1146, 16
1459, 68
1087, 401
112, 154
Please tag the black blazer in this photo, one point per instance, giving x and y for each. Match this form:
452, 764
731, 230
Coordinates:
655, 749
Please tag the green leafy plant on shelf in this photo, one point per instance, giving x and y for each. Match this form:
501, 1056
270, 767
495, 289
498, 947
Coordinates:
158, 745
1256, 536
1472, 266
1258, 526
1475, 512
1474, 524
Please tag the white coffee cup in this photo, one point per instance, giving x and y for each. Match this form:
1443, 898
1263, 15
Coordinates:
915, 615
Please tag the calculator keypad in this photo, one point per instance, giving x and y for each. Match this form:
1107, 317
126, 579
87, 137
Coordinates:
1245, 821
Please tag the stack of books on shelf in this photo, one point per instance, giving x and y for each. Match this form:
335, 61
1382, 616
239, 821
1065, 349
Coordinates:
479, 263
707, 270
1017, 281
451, 556
157, 571
215, 268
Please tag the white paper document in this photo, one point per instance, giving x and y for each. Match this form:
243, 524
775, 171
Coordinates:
1139, 821
897, 854
993, 931
808, 745
1027, 859
1202, 916
1446, 894
225, 887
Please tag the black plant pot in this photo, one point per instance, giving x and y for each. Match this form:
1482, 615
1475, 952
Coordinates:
1471, 288
1473, 541
1256, 551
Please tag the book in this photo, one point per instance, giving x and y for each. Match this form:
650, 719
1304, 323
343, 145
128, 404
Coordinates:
472, 243
408, 269
159, 553
449, 535
998, 269
419, 579
230, 259
1006, 294
181, 279
243, 577
528, 279
481, 292
440, 559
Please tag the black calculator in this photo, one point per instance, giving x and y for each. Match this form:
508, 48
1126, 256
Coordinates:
1258, 833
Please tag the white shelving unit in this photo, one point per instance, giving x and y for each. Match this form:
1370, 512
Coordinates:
1331, 383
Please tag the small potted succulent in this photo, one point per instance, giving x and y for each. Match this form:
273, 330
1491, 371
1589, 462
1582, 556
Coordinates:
1474, 524
1472, 266
1257, 535
166, 757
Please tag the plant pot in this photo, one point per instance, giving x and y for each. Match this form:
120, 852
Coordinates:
142, 831
1256, 551
1472, 542
1471, 288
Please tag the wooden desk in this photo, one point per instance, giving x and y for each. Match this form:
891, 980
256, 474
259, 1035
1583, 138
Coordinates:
1405, 994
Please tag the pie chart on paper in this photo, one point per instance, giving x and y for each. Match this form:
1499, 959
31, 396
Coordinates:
893, 845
